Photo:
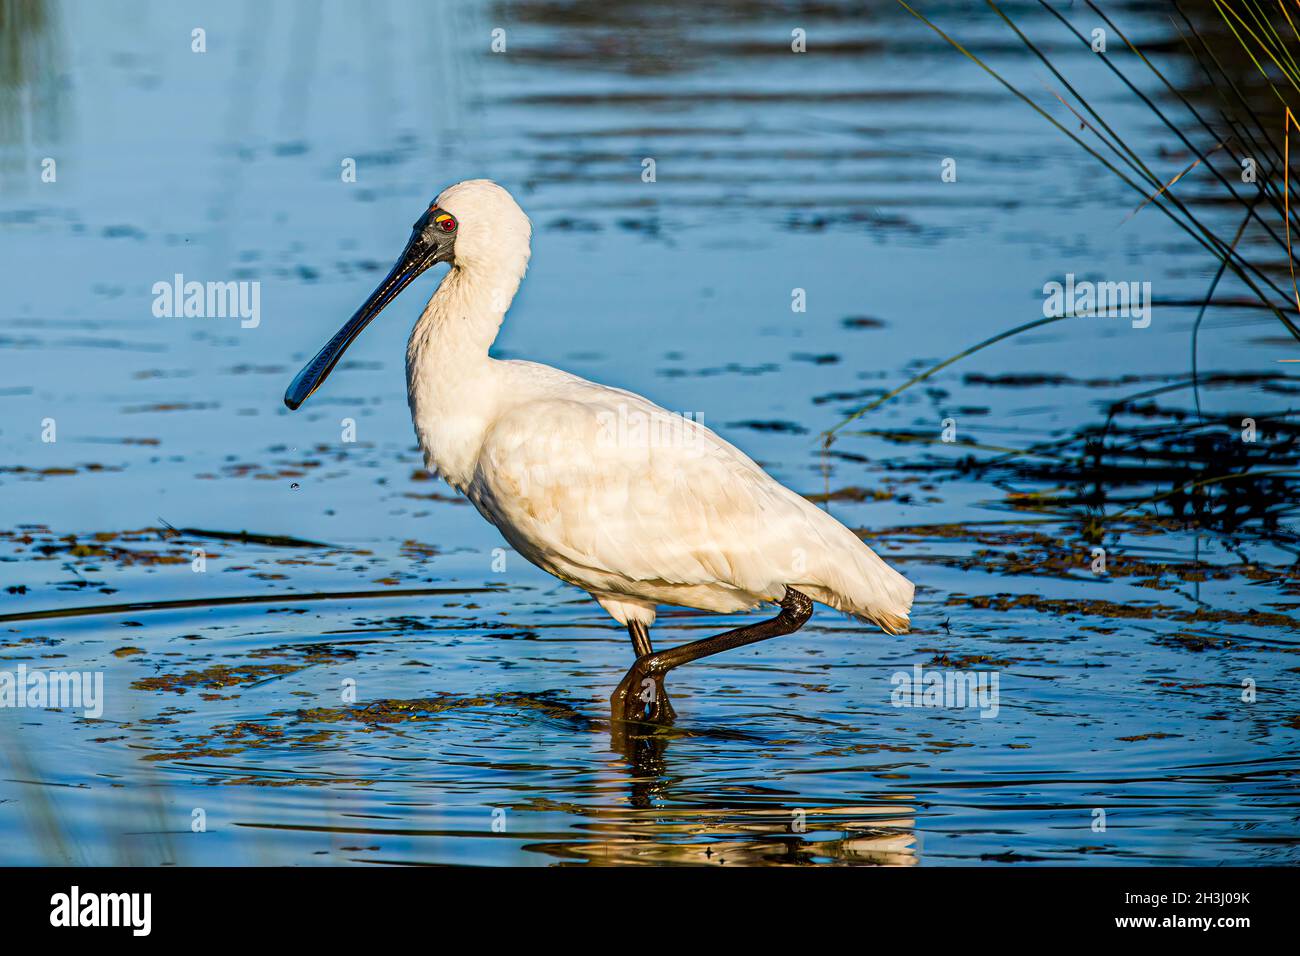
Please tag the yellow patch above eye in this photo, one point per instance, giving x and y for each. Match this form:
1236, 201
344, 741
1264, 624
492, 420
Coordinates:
442, 218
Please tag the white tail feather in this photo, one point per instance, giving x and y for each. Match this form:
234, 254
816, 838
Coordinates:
848, 576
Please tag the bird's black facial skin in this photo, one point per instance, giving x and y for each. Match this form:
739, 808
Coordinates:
433, 240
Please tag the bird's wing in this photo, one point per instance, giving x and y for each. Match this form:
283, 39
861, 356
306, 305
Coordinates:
610, 482
606, 489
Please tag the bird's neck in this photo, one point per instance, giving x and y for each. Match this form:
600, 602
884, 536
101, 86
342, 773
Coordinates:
450, 384
462, 319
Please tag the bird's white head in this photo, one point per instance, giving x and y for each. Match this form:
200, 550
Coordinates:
479, 229
493, 233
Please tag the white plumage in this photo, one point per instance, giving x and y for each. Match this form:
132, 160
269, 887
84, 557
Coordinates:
599, 486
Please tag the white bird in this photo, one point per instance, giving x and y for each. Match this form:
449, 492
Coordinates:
596, 485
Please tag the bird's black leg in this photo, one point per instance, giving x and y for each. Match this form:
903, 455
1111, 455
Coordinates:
796, 608
643, 698
640, 638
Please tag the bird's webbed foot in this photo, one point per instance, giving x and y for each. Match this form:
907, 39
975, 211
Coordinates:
641, 696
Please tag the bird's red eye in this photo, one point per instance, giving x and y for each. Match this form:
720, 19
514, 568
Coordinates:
446, 223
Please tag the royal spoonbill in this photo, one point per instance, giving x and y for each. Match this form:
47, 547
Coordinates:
599, 486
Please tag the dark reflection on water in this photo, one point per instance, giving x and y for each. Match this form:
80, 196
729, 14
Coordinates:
356, 677
34, 97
